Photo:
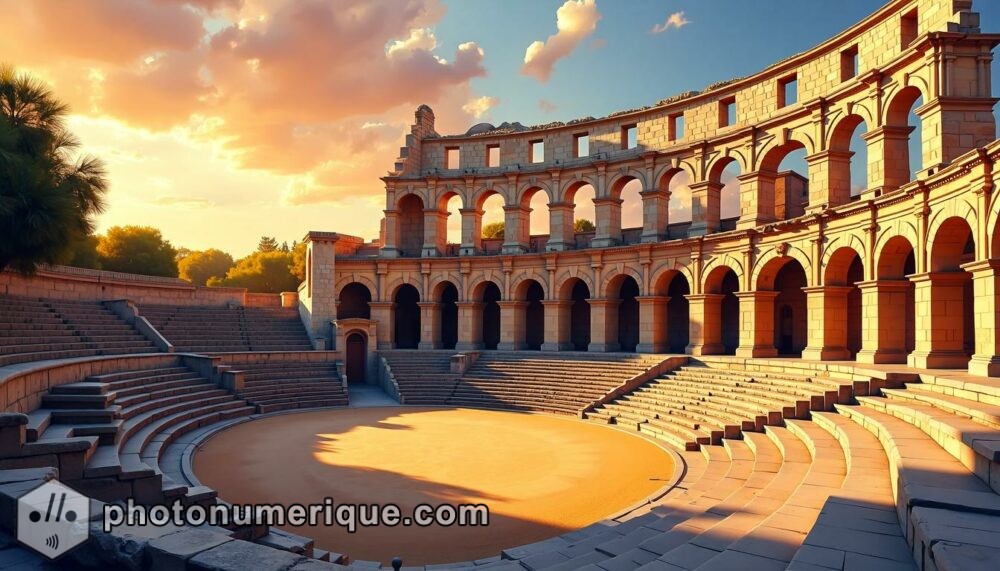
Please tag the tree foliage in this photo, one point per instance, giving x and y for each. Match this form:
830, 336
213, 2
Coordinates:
199, 267
583, 225
493, 230
137, 250
48, 197
267, 244
261, 272
299, 260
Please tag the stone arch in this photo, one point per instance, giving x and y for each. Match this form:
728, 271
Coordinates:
832, 253
489, 294
520, 283
526, 191
951, 240
900, 101
671, 320
843, 270
668, 268
622, 318
891, 257
480, 195
566, 282
353, 301
714, 168
720, 326
441, 280
665, 172
786, 276
903, 229
480, 282
768, 265
726, 261
528, 217
899, 170
531, 292
446, 193
957, 208
446, 294
399, 282
892, 301
950, 339
568, 188
614, 276
618, 181
842, 168
574, 318
993, 227
406, 317
366, 281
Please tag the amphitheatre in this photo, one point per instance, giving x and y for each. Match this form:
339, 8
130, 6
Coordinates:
811, 384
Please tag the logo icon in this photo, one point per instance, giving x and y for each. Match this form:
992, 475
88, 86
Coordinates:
52, 519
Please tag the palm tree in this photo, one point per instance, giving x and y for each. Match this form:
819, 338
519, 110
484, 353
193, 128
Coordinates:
47, 197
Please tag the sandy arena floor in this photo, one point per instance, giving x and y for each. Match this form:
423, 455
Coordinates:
540, 475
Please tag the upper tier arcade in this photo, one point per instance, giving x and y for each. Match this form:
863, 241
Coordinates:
866, 78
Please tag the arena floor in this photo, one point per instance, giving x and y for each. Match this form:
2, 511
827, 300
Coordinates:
540, 475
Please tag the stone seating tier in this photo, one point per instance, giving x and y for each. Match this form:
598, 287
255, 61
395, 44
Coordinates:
229, 329
282, 386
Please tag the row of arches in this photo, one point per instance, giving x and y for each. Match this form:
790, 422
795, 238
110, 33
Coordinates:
857, 313
775, 187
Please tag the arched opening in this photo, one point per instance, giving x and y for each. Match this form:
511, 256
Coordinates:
848, 160
353, 302
786, 277
579, 314
491, 316
952, 326
677, 182
448, 306
725, 173
844, 270
536, 200
410, 231
407, 317
452, 204
782, 184
631, 211
893, 304
491, 223
624, 317
903, 137
678, 319
356, 358
534, 316
723, 281
584, 217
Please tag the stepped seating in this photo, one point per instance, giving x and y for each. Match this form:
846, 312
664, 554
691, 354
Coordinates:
546, 382
698, 405
422, 377
288, 385
229, 329
35, 330
129, 418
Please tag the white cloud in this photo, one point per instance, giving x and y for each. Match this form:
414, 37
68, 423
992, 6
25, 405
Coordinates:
480, 105
675, 20
575, 20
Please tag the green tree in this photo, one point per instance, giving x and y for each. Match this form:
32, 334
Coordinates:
299, 260
137, 250
199, 267
267, 244
262, 272
85, 253
583, 225
493, 230
48, 195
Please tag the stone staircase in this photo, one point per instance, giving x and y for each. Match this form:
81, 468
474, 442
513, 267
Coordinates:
289, 385
117, 425
35, 329
698, 405
229, 329
422, 377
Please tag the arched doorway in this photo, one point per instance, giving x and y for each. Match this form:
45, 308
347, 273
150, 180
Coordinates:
357, 355
624, 318
842, 303
534, 316
353, 302
949, 340
730, 312
449, 315
678, 315
407, 317
491, 316
410, 230
790, 309
579, 320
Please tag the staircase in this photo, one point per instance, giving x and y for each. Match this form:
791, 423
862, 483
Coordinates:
289, 385
229, 329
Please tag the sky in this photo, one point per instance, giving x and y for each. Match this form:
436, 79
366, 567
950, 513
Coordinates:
224, 120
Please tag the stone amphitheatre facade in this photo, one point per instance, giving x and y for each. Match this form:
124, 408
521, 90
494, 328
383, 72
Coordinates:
821, 366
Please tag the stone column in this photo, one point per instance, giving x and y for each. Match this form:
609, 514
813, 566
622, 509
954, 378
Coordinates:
470, 325
706, 205
826, 323
516, 233
829, 179
472, 231
940, 338
557, 324
560, 227
756, 199
435, 233
512, 316
953, 126
652, 324
318, 307
655, 215
384, 314
430, 325
883, 321
608, 212
705, 323
390, 246
986, 292
888, 158
604, 325
756, 324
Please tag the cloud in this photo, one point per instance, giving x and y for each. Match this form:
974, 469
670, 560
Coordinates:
547, 106
183, 202
675, 20
575, 20
480, 105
